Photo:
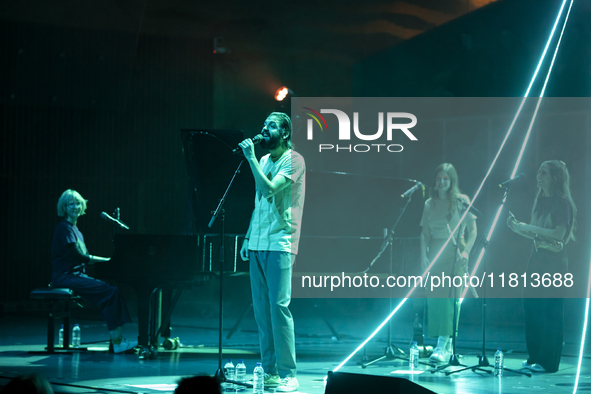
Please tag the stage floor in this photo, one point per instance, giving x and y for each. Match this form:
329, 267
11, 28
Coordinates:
318, 351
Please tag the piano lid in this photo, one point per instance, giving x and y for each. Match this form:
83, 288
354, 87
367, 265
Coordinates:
210, 166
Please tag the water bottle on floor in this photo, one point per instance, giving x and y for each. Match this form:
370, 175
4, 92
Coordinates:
229, 371
498, 363
413, 360
76, 334
240, 375
61, 337
258, 385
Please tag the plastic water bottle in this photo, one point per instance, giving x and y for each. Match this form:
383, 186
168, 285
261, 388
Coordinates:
230, 372
76, 336
61, 337
498, 363
413, 360
258, 386
240, 375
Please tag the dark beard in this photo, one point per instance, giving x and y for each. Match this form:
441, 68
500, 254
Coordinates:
271, 143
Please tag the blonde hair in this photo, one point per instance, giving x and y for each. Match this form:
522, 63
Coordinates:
560, 187
66, 197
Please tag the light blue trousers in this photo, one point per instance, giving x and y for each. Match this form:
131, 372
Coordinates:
270, 281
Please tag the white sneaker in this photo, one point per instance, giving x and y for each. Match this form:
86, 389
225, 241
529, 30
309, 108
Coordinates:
288, 384
270, 380
533, 367
124, 345
449, 347
439, 355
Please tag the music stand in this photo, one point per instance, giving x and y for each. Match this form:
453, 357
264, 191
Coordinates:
391, 352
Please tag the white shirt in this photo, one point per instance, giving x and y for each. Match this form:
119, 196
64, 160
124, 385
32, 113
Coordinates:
276, 221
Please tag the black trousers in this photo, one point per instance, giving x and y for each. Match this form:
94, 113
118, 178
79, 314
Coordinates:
544, 319
98, 293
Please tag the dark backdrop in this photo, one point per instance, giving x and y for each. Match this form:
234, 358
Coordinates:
99, 112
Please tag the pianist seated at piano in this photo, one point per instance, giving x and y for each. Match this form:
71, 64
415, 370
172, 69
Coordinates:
69, 258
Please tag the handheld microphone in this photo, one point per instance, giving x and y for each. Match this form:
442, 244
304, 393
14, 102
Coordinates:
255, 140
510, 181
116, 221
472, 208
410, 191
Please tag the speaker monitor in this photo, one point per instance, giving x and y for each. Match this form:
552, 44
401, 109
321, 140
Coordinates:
350, 383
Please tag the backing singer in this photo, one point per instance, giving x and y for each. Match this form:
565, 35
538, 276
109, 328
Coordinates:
553, 218
441, 214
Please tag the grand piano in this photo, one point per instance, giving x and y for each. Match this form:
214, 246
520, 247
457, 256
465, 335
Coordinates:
150, 263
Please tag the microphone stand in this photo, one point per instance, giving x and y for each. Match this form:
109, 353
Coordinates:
454, 360
482, 359
220, 374
391, 352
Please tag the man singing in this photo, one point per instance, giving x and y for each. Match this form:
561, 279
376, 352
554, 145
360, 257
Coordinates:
271, 244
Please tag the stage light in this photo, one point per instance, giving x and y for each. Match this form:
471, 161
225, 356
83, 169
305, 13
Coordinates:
452, 234
282, 93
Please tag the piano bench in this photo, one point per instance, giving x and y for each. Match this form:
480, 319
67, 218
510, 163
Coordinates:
59, 300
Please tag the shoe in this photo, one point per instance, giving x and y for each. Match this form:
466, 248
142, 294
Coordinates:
270, 380
124, 346
533, 367
448, 347
288, 385
526, 365
538, 368
439, 355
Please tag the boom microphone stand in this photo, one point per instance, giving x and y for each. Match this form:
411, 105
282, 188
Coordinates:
391, 352
482, 359
219, 374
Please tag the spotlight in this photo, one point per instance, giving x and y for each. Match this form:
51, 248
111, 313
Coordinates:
282, 93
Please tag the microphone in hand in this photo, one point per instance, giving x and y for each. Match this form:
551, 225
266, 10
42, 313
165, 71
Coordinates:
255, 140
118, 222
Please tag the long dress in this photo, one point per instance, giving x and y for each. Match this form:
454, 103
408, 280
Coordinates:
437, 215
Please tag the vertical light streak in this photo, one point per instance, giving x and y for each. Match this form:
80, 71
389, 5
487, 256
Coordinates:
545, 49
582, 347
543, 88
478, 190
530, 127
